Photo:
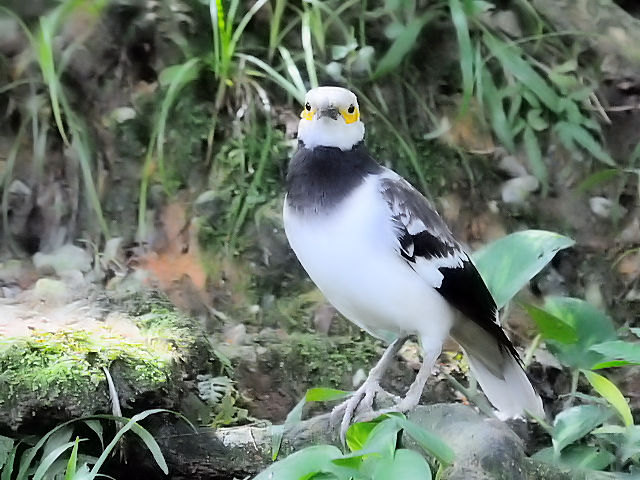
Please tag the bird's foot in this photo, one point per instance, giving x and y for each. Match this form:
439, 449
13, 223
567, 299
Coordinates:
358, 405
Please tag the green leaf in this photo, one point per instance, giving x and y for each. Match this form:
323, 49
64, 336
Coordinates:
619, 350
305, 462
612, 394
358, 433
277, 431
131, 424
459, 19
534, 158
6, 446
405, 464
96, 426
591, 326
510, 57
7, 468
507, 264
427, 440
48, 460
402, 44
152, 445
597, 178
570, 133
325, 394
578, 457
552, 327
497, 116
73, 461
576, 422
535, 120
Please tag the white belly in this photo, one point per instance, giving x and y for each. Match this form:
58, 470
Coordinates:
351, 255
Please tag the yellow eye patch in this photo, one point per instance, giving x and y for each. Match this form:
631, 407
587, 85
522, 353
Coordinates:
308, 114
350, 117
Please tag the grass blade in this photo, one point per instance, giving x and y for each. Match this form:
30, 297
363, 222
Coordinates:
47, 461
511, 60
72, 464
459, 18
272, 74
308, 49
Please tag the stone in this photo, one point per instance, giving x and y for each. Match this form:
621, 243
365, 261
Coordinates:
485, 449
68, 257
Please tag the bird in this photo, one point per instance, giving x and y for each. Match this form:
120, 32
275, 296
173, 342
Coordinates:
384, 258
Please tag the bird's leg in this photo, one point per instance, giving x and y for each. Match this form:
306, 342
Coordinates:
412, 398
363, 397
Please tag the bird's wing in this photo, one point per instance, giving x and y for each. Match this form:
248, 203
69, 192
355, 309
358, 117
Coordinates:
427, 245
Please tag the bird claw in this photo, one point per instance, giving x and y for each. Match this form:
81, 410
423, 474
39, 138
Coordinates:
358, 406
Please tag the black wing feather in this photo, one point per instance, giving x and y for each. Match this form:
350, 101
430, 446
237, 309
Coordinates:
462, 286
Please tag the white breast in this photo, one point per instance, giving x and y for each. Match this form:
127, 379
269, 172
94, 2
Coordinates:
352, 256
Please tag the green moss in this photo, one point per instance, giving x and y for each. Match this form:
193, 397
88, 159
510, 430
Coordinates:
65, 369
328, 361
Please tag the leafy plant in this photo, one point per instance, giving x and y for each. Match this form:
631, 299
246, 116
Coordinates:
373, 452
524, 97
55, 454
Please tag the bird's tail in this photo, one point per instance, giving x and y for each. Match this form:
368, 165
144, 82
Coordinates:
500, 375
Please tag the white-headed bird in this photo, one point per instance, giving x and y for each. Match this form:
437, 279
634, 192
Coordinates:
381, 254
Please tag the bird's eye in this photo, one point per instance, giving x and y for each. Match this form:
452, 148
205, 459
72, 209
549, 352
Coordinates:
351, 109
307, 106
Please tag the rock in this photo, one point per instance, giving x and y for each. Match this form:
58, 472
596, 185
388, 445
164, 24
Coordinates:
12, 38
485, 449
51, 292
68, 257
601, 206
518, 189
512, 167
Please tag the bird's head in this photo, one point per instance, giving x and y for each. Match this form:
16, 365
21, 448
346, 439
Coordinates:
330, 118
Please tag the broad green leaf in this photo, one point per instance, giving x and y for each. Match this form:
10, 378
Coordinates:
612, 394
552, 327
510, 57
325, 394
459, 19
619, 350
591, 326
570, 133
358, 433
405, 464
6, 445
307, 461
577, 456
507, 264
534, 158
402, 44
7, 468
431, 443
576, 422
625, 439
